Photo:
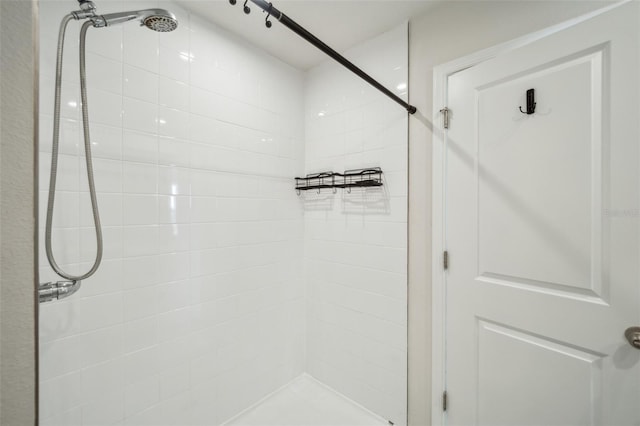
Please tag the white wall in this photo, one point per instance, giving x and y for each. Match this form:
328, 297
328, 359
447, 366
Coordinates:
447, 32
18, 62
1, 125
197, 310
355, 243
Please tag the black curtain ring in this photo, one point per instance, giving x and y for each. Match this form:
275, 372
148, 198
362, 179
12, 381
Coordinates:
267, 22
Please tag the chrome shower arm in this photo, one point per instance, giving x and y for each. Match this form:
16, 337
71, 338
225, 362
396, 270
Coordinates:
110, 19
100, 21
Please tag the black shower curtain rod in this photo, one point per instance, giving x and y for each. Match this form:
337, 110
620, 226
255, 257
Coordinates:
302, 32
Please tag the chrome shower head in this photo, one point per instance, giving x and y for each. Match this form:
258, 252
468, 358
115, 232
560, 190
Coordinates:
163, 22
160, 20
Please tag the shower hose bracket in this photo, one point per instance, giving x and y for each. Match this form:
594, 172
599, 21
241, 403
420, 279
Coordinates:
57, 290
87, 10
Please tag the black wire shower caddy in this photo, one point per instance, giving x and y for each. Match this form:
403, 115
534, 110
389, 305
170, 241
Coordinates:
358, 178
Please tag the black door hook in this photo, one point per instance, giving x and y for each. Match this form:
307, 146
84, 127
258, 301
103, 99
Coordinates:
531, 102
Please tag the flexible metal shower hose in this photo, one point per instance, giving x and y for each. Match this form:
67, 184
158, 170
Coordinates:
87, 149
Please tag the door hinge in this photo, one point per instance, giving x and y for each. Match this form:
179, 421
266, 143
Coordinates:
445, 260
445, 117
445, 401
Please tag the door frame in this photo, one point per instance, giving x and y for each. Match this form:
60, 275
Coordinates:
441, 74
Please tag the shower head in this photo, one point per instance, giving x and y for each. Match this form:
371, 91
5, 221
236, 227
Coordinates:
162, 22
156, 19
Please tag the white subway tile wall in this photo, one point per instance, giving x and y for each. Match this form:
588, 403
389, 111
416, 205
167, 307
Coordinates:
356, 243
198, 308
218, 285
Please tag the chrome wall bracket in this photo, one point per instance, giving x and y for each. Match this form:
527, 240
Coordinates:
48, 292
87, 10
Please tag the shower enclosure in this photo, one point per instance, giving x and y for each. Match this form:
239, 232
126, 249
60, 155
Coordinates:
218, 284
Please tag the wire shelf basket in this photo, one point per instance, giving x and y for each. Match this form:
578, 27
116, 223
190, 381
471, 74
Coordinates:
358, 178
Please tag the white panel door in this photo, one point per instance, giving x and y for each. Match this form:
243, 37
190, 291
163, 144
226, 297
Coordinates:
542, 229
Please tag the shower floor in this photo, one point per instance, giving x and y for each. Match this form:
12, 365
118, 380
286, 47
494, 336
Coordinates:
306, 402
